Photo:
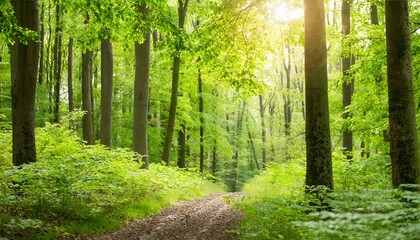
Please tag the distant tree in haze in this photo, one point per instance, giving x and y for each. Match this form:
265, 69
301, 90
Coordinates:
182, 12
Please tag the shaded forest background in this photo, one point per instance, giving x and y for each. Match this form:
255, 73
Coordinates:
241, 82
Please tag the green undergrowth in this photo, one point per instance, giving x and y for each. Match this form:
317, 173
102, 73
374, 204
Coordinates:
275, 207
76, 190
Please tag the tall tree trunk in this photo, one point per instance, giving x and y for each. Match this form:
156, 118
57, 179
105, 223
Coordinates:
254, 153
287, 103
57, 62
201, 111
181, 147
271, 111
235, 163
263, 132
141, 96
155, 38
287, 108
49, 63
86, 97
402, 112
70, 75
46, 69
94, 85
348, 82
41, 41
182, 12
214, 159
301, 88
24, 73
107, 72
318, 140
374, 14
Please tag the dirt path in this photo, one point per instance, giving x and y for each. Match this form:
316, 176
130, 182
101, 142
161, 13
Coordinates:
208, 218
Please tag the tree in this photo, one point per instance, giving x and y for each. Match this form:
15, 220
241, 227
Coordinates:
233, 181
182, 12
141, 94
201, 111
57, 60
263, 131
182, 147
41, 41
318, 141
287, 65
70, 75
348, 82
24, 73
401, 106
254, 153
107, 72
86, 95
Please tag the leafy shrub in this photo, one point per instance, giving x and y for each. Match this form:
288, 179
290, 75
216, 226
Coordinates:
77, 189
277, 208
367, 214
373, 172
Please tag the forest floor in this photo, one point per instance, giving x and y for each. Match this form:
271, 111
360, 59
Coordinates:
208, 218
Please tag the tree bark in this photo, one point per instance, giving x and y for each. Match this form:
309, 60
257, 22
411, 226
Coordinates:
141, 96
57, 62
263, 132
88, 136
374, 14
24, 73
70, 75
41, 49
287, 103
182, 11
201, 111
271, 111
214, 159
235, 161
181, 147
348, 82
254, 153
402, 113
155, 38
94, 85
107, 72
318, 140
301, 88
49, 62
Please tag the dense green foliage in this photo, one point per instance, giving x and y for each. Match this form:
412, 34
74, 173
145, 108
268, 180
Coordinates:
277, 208
75, 189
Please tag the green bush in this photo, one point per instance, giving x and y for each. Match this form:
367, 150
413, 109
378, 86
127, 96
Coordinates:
276, 207
373, 172
367, 214
76, 189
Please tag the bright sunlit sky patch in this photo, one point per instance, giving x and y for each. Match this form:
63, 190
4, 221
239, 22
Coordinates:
280, 11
